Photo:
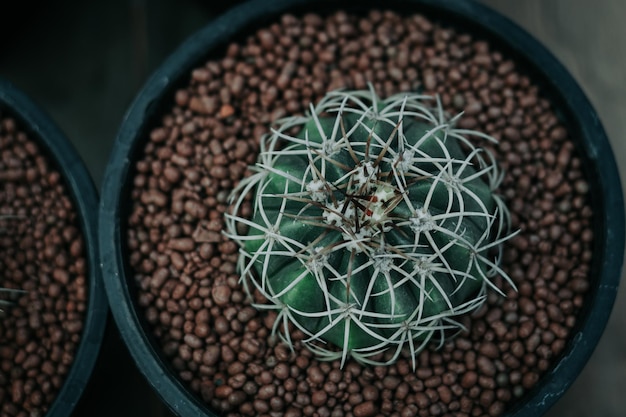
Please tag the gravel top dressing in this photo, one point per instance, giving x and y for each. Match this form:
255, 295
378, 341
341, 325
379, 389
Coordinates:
41, 253
185, 268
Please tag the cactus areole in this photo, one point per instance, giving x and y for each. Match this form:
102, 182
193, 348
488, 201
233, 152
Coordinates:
373, 228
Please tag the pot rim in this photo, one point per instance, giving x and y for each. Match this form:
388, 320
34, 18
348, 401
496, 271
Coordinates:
568, 97
40, 127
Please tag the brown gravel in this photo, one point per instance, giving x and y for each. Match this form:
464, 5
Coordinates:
41, 253
185, 268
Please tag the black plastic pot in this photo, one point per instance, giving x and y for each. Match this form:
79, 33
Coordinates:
557, 84
84, 196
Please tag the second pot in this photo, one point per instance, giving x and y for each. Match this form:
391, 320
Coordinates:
54, 343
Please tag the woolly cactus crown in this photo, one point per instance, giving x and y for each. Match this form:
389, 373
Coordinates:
373, 227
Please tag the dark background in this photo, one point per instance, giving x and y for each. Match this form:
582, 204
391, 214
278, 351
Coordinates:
83, 62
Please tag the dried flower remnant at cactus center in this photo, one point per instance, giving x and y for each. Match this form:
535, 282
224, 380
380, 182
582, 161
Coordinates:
374, 228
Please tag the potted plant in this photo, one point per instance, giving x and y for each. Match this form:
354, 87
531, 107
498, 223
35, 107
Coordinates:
53, 322
195, 132
372, 227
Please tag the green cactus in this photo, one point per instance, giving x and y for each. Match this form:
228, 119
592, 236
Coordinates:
372, 227
4, 303
6, 294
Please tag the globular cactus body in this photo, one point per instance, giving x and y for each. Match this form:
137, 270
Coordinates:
372, 226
